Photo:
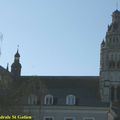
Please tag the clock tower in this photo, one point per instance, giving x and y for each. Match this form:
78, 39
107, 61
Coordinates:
16, 66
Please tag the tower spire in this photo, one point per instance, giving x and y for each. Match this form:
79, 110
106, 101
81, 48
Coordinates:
16, 66
17, 47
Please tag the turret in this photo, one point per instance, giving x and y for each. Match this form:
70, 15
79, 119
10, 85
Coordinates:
110, 61
16, 66
116, 16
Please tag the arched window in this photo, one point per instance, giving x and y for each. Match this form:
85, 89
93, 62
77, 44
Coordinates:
70, 100
32, 99
48, 100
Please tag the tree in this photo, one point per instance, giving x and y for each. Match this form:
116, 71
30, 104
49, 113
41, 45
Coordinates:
14, 97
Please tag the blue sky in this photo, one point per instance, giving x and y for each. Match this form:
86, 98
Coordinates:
55, 37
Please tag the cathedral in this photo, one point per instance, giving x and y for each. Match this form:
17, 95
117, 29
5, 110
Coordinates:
70, 97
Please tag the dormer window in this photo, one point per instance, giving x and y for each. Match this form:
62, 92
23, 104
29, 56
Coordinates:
70, 100
48, 100
32, 99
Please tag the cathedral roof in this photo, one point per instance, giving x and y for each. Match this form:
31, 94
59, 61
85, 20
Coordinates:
85, 88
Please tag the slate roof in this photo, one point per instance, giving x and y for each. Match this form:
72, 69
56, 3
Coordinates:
2, 68
85, 88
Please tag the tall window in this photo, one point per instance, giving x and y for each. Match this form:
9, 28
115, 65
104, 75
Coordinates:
32, 99
48, 100
70, 100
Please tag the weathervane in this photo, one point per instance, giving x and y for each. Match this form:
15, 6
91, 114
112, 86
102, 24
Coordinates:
17, 47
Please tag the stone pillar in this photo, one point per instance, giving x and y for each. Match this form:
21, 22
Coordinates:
115, 93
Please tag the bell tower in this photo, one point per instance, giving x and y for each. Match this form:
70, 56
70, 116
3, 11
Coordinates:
110, 61
16, 66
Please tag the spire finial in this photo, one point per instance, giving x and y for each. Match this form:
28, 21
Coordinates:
17, 47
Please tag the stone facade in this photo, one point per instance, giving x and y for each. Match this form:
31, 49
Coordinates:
110, 61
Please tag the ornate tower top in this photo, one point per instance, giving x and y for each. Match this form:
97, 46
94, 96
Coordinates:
116, 16
16, 66
17, 54
115, 25
112, 39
